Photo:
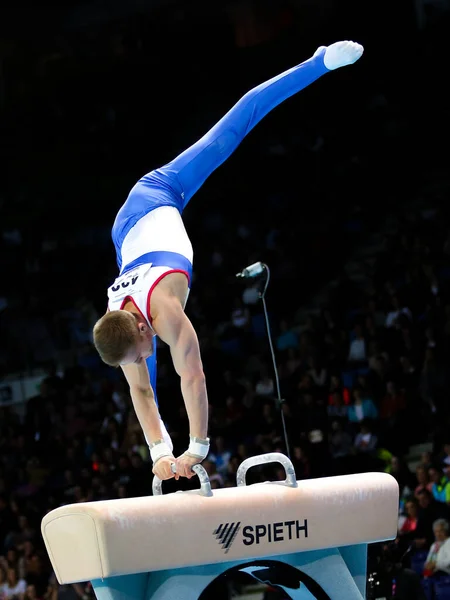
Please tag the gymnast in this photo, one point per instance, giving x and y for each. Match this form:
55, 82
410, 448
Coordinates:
154, 256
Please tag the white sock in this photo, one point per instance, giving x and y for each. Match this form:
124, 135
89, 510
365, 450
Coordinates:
340, 54
319, 50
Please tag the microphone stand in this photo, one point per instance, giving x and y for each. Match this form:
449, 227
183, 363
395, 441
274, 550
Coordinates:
280, 400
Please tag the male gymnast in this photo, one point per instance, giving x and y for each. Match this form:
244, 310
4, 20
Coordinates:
154, 256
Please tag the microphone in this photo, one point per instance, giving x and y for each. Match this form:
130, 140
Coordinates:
252, 271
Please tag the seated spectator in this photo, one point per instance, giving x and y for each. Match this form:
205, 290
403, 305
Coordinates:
3, 581
340, 440
134, 443
361, 408
301, 463
445, 454
438, 560
402, 473
265, 385
240, 315
406, 581
426, 459
293, 362
429, 512
372, 309
336, 385
441, 484
412, 515
392, 403
365, 440
396, 310
337, 409
423, 480
36, 573
30, 593
214, 476
306, 384
318, 372
287, 338
14, 587
220, 455
357, 354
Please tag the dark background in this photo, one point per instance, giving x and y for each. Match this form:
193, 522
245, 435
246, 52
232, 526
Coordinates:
94, 95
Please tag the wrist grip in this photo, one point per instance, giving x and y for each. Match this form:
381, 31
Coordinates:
198, 448
158, 450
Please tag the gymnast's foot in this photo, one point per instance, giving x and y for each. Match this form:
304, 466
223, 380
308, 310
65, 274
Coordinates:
340, 54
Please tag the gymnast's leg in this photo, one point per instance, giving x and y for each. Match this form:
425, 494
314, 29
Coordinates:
186, 173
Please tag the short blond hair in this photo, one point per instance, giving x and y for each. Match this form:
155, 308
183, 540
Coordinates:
114, 334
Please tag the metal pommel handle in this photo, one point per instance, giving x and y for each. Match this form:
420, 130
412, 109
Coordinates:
205, 485
263, 459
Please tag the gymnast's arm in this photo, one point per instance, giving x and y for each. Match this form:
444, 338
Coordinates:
175, 329
147, 413
143, 399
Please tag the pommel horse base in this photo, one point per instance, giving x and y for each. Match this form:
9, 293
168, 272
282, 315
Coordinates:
171, 547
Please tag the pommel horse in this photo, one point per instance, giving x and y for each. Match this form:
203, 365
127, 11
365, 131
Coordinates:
307, 537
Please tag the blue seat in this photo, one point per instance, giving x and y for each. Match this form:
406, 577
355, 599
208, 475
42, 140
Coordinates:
428, 588
418, 561
442, 589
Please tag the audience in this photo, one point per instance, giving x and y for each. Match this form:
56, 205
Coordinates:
363, 372
438, 559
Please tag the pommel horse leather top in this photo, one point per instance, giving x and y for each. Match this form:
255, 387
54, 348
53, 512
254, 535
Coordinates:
96, 540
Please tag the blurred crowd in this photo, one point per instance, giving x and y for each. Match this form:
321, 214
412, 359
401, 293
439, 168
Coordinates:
362, 376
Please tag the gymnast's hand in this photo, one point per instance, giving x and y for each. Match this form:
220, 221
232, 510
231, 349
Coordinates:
184, 464
163, 468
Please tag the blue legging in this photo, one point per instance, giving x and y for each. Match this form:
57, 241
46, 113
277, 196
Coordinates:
175, 183
191, 168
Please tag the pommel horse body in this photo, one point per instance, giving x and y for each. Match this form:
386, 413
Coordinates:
171, 547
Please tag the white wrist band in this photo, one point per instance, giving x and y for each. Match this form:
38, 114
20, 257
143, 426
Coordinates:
158, 450
198, 448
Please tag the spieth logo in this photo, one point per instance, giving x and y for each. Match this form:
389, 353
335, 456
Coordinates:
256, 534
226, 533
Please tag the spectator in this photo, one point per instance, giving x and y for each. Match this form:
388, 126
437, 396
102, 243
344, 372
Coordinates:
3, 580
445, 456
405, 478
340, 440
14, 587
396, 310
393, 403
30, 593
214, 477
438, 560
423, 480
361, 408
287, 338
365, 440
318, 373
402, 581
357, 354
337, 409
265, 385
336, 385
219, 454
429, 511
240, 315
441, 484
301, 463
409, 524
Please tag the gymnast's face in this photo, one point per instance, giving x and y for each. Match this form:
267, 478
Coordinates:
143, 347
